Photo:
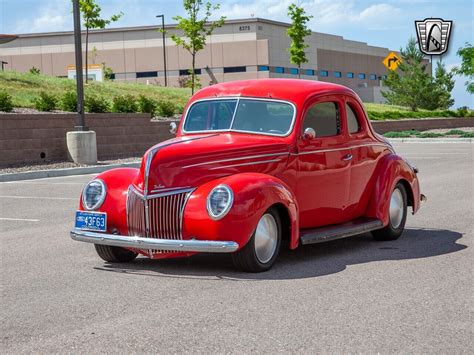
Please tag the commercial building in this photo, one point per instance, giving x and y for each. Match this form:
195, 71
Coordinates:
240, 49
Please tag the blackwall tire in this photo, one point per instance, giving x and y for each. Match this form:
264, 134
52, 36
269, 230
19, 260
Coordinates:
397, 215
261, 251
114, 254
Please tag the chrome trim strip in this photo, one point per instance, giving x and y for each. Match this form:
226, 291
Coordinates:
338, 149
208, 246
169, 189
238, 98
244, 164
234, 159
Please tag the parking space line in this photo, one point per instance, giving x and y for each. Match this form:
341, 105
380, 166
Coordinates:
19, 219
40, 197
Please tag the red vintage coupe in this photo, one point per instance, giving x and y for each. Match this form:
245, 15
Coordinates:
255, 165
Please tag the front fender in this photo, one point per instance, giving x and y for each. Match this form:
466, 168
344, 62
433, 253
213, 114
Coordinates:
392, 170
117, 182
253, 194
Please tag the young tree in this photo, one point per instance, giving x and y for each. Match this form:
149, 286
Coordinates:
410, 84
467, 66
195, 30
443, 84
297, 32
90, 11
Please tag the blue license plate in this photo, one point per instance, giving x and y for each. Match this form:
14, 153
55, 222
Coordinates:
93, 221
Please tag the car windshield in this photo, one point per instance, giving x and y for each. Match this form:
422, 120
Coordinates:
241, 115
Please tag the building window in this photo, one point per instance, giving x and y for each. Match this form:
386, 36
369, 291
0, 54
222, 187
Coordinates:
384, 77
323, 73
112, 76
309, 72
350, 75
260, 28
234, 69
263, 68
373, 76
294, 71
361, 76
337, 74
147, 74
183, 72
279, 70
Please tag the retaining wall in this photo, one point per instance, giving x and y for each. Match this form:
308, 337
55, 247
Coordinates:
35, 138
42, 137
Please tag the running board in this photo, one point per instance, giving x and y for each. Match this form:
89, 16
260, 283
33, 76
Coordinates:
338, 231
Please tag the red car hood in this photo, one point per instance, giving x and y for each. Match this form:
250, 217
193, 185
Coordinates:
189, 161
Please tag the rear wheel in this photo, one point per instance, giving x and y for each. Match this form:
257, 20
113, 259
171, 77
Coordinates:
397, 215
262, 249
115, 254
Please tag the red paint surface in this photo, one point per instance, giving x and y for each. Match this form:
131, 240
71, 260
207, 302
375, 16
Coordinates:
310, 180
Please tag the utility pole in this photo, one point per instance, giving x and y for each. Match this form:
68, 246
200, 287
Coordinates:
80, 119
164, 45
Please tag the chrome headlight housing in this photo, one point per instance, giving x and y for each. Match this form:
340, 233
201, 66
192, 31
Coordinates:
93, 195
219, 201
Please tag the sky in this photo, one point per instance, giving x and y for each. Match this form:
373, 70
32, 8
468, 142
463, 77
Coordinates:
385, 23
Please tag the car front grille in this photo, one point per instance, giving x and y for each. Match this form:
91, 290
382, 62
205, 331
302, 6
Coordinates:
156, 216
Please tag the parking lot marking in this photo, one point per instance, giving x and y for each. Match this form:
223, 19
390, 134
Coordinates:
19, 219
40, 197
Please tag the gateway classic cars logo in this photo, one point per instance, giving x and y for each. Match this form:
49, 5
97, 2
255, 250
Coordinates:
433, 35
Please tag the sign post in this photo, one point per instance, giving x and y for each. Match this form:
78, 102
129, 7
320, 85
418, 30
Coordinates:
80, 119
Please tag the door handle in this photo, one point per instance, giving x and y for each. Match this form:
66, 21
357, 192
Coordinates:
347, 157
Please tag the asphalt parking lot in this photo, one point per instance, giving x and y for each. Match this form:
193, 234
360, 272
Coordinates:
414, 295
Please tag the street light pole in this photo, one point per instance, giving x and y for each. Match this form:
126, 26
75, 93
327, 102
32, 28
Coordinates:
80, 119
3, 63
164, 45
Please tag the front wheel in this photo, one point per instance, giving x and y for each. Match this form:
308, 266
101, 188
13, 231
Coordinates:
397, 215
114, 254
262, 249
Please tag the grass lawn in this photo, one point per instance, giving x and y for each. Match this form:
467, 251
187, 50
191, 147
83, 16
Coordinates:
418, 134
25, 87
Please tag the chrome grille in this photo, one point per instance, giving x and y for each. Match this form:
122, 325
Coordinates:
156, 216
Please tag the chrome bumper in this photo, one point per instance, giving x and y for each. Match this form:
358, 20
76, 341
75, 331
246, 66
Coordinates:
205, 246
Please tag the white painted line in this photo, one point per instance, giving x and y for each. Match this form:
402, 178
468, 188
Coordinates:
19, 219
41, 198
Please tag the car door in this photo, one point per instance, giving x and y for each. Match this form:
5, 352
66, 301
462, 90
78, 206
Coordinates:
323, 164
365, 153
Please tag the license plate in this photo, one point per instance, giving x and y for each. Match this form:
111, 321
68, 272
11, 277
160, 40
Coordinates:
93, 221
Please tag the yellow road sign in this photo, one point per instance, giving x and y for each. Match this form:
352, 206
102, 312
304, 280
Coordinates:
392, 61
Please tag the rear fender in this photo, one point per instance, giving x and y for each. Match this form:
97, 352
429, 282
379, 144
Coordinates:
253, 194
117, 182
391, 171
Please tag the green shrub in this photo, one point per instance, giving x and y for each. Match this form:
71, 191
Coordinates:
467, 135
179, 108
166, 108
45, 102
6, 103
454, 132
96, 104
124, 103
430, 135
35, 71
69, 101
402, 134
463, 111
146, 104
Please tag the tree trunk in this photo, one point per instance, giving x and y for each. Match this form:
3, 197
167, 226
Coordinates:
299, 71
87, 52
193, 74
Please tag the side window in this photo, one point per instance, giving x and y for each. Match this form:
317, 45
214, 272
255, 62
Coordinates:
352, 122
324, 119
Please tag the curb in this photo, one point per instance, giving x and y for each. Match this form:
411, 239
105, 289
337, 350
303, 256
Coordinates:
431, 140
41, 174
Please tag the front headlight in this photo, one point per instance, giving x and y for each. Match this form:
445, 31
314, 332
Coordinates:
93, 195
219, 201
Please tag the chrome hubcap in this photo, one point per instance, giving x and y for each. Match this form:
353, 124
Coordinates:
396, 208
266, 238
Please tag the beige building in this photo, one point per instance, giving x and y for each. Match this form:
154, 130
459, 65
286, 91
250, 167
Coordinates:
241, 49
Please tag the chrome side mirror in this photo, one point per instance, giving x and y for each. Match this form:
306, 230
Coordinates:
309, 134
173, 127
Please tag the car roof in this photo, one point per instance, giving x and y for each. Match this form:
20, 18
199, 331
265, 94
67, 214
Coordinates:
294, 90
